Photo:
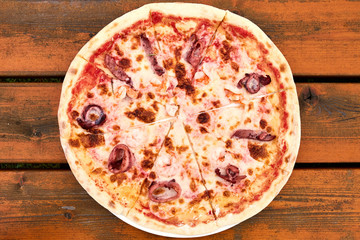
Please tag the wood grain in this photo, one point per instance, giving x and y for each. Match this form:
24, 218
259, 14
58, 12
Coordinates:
330, 115
52, 205
40, 38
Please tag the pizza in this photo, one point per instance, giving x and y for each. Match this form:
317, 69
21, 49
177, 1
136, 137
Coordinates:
180, 119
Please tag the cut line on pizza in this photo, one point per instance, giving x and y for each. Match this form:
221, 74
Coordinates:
181, 119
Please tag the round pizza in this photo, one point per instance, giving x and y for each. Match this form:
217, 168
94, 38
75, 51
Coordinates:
180, 119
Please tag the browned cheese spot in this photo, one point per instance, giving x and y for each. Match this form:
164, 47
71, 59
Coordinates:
152, 175
247, 182
120, 178
181, 201
155, 106
134, 46
203, 130
247, 120
125, 63
74, 143
73, 71
178, 53
113, 178
226, 193
287, 159
225, 51
151, 95
111, 204
91, 140
188, 128
269, 129
96, 171
168, 143
251, 105
135, 174
118, 51
103, 89
173, 211
205, 164
216, 103
235, 66
228, 36
74, 114
139, 57
282, 68
181, 149
219, 183
263, 123
168, 64
257, 151
204, 94
147, 164
228, 205
155, 208
250, 171
228, 143
193, 186
116, 127
142, 115
90, 95
77, 162
203, 118
183, 83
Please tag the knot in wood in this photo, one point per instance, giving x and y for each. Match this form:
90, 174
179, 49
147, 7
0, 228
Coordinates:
309, 96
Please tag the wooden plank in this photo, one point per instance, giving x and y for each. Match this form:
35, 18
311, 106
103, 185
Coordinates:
315, 204
41, 38
330, 115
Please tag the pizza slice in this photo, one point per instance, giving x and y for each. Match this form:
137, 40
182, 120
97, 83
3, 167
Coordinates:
126, 50
239, 185
94, 103
245, 60
173, 197
112, 166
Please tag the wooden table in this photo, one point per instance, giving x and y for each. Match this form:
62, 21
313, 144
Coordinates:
320, 39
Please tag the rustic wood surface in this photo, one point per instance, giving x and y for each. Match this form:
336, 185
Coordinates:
41, 38
52, 205
29, 132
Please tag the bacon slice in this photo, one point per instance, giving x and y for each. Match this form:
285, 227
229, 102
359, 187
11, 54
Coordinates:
145, 43
121, 159
116, 70
251, 134
165, 191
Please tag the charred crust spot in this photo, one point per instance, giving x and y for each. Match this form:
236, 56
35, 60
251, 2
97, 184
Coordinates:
147, 164
263, 123
124, 63
188, 129
74, 143
257, 151
193, 185
203, 130
250, 171
228, 143
74, 114
151, 95
142, 115
235, 66
225, 51
168, 143
118, 51
152, 175
226, 193
168, 64
139, 57
203, 118
103, 89
91, 140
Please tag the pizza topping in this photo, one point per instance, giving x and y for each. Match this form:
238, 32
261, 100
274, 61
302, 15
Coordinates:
197, 47
120, 159
92, 115
164, 191
251, 134
142, 115
116, 70
145, 43
91, 140
171, 109
253, 81
230, 174
203, 118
